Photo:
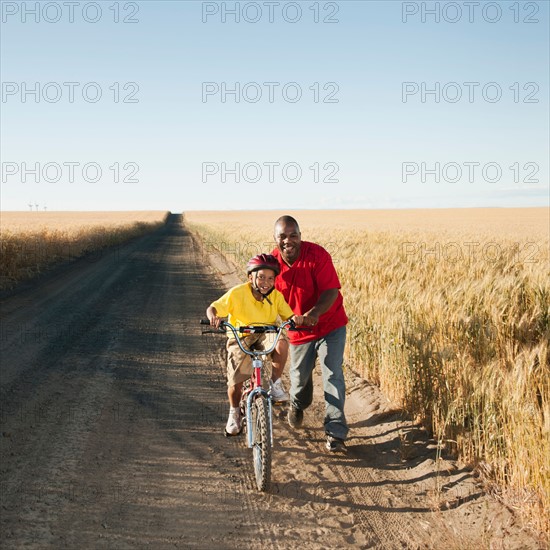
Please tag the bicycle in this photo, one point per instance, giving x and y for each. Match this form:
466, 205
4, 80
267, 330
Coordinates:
256, 403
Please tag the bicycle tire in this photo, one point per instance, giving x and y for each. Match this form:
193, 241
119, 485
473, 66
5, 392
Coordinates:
261, 443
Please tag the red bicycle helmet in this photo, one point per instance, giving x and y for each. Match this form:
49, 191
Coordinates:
263, 261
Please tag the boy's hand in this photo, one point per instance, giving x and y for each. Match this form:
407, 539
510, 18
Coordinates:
212, 315
215, 321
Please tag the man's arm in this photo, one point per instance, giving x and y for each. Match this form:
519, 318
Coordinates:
324, 303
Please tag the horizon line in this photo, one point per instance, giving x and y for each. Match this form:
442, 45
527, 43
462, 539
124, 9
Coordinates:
289, 209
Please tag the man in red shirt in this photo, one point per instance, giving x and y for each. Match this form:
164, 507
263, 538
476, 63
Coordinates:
310, 285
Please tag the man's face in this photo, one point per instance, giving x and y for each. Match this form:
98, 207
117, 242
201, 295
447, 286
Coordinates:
288, 241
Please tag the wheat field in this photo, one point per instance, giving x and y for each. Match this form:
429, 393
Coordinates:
450, 314
31, 242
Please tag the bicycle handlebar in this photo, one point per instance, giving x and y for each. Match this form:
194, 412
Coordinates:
254, 329
250, 329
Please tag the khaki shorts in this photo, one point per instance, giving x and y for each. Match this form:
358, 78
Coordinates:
239, 364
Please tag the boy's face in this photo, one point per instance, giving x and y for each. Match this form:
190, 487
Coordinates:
265, 279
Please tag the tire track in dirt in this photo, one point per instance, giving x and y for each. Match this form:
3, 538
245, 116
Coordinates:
379, 512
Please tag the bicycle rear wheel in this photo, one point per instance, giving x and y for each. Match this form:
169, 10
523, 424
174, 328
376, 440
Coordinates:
261, 443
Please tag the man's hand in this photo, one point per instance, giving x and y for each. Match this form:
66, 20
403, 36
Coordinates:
298, 320
310, 320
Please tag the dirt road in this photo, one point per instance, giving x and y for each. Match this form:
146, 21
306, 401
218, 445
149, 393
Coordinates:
113, 406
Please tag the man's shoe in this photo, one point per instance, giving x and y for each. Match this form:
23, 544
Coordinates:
277, 391
295, 417
335, 445
233, 426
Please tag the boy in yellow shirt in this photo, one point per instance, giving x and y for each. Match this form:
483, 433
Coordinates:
254, 302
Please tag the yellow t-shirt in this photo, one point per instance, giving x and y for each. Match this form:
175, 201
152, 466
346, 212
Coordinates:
241, 308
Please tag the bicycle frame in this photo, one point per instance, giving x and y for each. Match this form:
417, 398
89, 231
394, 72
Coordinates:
257, 364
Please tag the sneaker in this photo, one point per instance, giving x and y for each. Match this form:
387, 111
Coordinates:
233, 426
335, 445
295, 417
277, 391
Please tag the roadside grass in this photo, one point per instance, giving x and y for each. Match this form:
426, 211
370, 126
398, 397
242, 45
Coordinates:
451, 319
32, 242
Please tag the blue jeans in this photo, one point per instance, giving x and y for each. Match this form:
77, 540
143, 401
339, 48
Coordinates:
330, 351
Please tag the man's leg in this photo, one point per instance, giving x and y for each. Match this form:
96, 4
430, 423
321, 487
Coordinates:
302, 363
330, 350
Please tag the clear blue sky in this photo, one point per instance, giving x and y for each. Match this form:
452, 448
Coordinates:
366, 126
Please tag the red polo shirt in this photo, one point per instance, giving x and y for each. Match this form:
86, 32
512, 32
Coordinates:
302, 283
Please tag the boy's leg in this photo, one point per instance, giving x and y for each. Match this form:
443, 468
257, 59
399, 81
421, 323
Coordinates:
234, 420
234, 393
279, 358
331, 356
278, 361
239, 369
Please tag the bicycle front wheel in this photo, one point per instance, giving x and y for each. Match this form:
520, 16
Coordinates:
261, 443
